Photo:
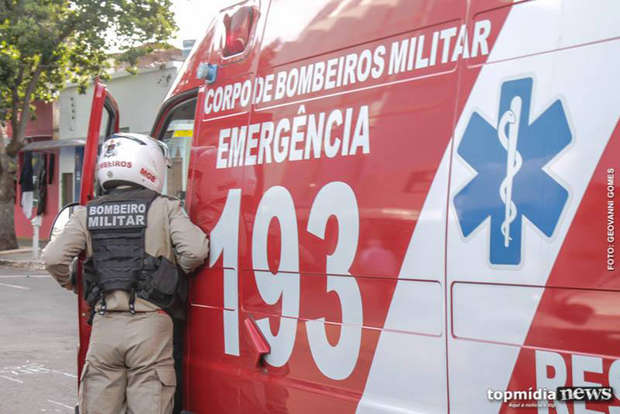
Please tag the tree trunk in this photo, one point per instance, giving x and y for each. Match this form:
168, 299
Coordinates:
8, 240
8, 152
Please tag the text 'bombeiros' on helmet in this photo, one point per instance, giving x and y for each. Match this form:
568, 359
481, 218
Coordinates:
130, 159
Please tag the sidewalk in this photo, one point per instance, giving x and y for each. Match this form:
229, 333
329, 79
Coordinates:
21, 259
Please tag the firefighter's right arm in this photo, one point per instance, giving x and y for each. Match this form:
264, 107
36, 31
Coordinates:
190, 242
59, 253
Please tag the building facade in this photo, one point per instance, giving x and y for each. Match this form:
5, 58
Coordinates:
56, 139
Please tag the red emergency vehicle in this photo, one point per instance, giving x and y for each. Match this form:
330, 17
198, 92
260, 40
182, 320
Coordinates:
411, 205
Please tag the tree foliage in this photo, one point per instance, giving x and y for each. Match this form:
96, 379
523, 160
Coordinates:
46, 43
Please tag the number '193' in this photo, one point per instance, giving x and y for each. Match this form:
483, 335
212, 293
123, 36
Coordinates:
334, 199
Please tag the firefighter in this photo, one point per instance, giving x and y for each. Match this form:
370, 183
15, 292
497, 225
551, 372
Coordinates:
134, 239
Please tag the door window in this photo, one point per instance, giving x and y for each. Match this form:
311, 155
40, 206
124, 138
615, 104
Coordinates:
178, 136
67, 188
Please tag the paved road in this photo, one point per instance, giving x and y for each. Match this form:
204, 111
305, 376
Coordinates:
38, 342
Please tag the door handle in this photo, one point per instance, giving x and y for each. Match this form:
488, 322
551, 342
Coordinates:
258, 343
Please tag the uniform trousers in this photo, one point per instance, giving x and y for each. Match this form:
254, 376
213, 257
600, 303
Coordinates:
129, 365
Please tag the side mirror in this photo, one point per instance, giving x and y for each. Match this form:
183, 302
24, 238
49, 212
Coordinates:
61, 220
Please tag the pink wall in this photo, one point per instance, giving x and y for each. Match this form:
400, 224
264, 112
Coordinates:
42, 128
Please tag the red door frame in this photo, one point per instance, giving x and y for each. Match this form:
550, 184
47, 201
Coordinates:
101, 99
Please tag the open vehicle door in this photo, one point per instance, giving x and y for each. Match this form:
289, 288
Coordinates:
104, 121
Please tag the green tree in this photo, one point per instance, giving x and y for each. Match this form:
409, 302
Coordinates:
46, 43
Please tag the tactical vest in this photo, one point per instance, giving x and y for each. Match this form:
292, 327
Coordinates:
117, 226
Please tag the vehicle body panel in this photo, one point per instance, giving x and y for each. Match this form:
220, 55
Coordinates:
430, 220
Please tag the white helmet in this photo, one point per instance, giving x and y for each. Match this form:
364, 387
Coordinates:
132, 159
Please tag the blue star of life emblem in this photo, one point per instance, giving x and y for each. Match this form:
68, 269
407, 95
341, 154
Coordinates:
511, 182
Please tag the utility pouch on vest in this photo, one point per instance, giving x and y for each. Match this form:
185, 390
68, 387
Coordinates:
165, 285
89, 282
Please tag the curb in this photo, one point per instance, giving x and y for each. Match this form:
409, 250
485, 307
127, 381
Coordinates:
15, 251
22, 264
